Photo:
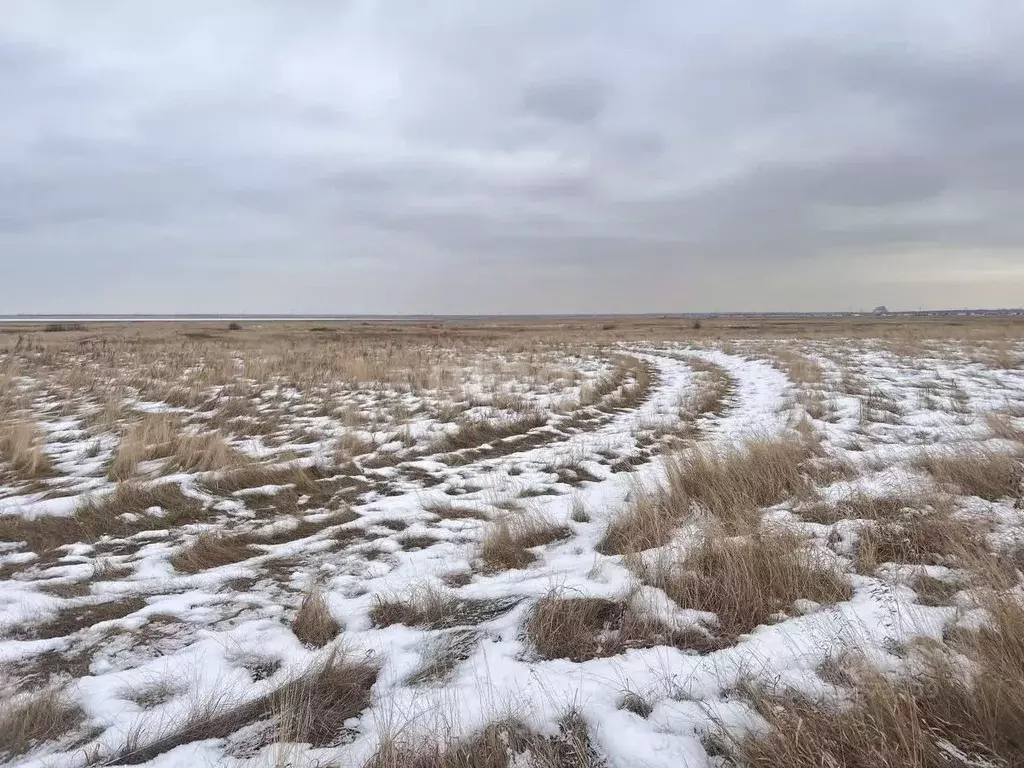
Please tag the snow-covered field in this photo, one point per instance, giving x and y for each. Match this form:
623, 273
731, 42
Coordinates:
376, 553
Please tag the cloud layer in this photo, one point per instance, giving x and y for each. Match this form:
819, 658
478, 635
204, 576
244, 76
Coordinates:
460, 157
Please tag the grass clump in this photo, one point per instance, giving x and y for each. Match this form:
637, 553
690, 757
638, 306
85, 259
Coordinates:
977, 471
504, 744
508, 543
151, 437
942, 714
584, 628
313, 624
729, 486
118, 514
436, 609
34, 718
925, 539
204, 452
311, 709
20, 448
746, 582
212, 550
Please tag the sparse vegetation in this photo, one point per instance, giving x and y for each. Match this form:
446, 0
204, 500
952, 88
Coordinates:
509, 541
34, 718
20, 447
943, 715
977, 471
500, 745
582, 628
212, 550
747, 581
440, 490
313, 624
730, 487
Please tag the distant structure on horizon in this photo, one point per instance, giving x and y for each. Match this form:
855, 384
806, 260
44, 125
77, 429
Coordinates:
880, 311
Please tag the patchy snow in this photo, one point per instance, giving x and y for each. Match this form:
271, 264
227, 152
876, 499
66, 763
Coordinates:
199, 633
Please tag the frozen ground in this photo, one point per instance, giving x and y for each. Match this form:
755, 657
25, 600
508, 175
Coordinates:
378, 493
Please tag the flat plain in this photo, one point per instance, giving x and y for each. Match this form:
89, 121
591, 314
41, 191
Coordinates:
580, 543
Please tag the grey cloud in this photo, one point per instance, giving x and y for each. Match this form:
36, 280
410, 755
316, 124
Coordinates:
578, 100
526, 157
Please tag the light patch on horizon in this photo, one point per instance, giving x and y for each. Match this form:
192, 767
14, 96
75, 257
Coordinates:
456, 157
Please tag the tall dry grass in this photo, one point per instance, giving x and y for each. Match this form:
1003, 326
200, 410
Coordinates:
976, 470
957, 706
28, 720
508, 542
745, 581
730, 486
20, 447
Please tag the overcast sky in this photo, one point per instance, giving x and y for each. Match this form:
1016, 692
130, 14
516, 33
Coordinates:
339, 156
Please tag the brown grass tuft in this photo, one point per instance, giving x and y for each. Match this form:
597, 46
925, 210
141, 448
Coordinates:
105, 516
500, 745
584, 628
212, 550
864, 506
311, 709
305, 481
977, 470
713, 386
313, 624
929, 539
746, 582
476, 433
1003, 426
509, 541
80, 617
430, 607
945, 714
204, 452
149, 438
20, 447
34, 718
731, 486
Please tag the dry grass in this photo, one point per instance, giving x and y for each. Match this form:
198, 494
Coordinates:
443, 654
150, 437
732, 486
477, 432
20, 447
584, 628
313, 624
311, 709
448, 510
204, 452
930, 539
945, 714
711, 391
649, 521
79, 617
33, 718
865, 506
977, 471
105, 515
729, 486
434, 608
798, 367
505, 744
304, 480
1003, 426
212, 550
747, 581
509, 541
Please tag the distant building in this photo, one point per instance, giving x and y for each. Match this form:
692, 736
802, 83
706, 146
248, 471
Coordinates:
880, 311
